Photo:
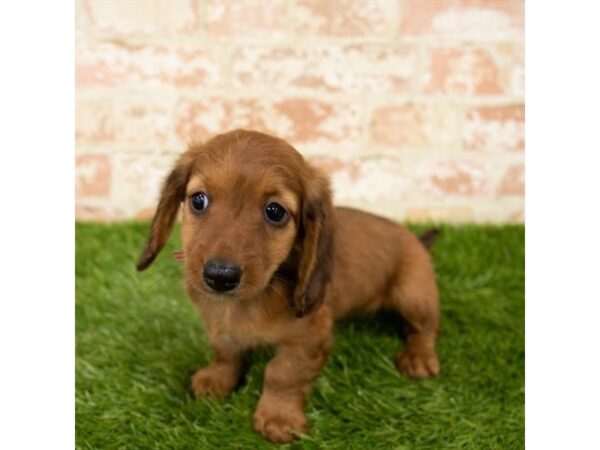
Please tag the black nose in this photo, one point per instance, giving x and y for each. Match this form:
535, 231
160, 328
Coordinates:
222, 275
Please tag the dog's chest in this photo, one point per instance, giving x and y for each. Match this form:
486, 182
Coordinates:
243, 326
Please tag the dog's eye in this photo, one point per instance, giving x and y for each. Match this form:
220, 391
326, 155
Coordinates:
199, 201
276, 214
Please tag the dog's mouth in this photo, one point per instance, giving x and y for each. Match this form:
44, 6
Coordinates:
232, 293
243, 291
285, 274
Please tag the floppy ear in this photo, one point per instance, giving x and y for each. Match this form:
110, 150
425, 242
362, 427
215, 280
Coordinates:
172, 194
316, 258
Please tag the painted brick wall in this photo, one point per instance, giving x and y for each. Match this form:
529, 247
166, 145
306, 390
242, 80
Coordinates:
415, 107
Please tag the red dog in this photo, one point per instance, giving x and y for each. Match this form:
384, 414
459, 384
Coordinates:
270, 261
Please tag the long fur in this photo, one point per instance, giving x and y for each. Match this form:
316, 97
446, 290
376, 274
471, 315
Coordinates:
325, 263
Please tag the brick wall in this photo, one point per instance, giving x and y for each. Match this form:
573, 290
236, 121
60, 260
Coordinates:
415, 108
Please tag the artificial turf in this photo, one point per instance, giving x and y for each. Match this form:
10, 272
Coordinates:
138, 340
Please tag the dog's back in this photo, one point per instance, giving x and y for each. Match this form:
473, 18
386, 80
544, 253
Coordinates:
371, 255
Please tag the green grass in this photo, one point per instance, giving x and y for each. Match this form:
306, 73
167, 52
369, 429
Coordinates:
139, 340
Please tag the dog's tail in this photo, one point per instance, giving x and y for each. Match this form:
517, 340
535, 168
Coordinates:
429, 237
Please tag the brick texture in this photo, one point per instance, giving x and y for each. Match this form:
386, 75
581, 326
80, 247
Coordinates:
246, 18
416, 125
495, 127
343, 17
462, 71
455, 177
463, 19
415, 108
513, 181
141, 17
298, 120
118, 62
92, 175
377, 68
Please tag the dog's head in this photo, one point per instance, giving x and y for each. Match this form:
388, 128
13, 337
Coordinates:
253, 210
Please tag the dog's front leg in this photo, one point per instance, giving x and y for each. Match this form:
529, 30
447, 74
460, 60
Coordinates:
221, 376
288, 376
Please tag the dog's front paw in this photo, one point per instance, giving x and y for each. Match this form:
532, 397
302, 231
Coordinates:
418, 362
213, 381
279, 423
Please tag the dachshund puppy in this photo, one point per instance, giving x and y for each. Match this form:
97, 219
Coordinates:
269, 261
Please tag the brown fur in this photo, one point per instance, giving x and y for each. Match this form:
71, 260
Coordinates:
325, 263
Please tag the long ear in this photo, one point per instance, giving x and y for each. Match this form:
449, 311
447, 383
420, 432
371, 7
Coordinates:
172, 194
316, 259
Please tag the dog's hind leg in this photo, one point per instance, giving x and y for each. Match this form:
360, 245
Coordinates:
414, 295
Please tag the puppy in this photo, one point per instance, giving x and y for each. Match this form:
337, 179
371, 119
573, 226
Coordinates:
269, 261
